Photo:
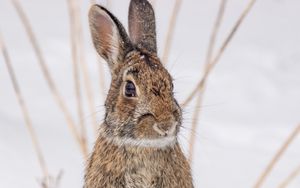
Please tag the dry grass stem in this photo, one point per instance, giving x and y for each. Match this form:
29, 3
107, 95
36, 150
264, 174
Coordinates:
215, 31
83, 65
212, 64
76, 75
276, 157
170, 32
192, 138
100, 62
51, 182
208, 59
25, 112
290, 178
59, 100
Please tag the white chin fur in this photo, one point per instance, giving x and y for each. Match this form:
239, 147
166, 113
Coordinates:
160, 143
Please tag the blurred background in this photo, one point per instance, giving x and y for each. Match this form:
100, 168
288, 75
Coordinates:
250, 106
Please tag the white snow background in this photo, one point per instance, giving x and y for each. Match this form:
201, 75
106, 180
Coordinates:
251, 105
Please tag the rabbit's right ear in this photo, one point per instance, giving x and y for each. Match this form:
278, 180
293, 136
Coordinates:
142, 26
109, 36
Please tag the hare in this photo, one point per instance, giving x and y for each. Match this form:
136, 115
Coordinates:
137, 145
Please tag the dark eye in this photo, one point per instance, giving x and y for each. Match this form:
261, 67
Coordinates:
130, 90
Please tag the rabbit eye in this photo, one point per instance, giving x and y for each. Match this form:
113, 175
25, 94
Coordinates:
130, 90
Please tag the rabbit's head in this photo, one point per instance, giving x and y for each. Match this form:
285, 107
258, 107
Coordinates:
140, 105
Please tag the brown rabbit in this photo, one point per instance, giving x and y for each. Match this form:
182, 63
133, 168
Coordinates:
137, 145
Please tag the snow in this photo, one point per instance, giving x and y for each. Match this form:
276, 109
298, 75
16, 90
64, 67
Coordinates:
251, 105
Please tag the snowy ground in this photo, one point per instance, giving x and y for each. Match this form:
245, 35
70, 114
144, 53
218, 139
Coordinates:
251, 105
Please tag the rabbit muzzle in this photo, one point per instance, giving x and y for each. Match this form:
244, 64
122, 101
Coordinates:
161, 127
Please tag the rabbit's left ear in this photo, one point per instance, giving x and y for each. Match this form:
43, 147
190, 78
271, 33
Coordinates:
142, 29
109, 36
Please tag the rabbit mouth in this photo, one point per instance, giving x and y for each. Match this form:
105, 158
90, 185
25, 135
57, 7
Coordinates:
145, 116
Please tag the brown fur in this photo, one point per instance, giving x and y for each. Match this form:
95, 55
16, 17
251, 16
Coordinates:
132, 167
115, 163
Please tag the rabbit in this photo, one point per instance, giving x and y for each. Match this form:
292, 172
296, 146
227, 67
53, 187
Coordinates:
137, 145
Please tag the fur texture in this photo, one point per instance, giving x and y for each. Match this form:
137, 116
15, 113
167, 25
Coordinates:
137, 145
135, 167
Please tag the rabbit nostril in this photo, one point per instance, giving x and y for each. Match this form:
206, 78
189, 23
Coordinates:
145, 116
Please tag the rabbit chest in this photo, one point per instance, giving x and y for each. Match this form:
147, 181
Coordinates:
146, 169
122, 167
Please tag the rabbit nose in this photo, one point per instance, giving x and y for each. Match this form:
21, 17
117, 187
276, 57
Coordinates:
165, 132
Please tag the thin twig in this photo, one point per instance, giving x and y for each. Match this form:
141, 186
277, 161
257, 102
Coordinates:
83, 65
76, 75
170, 32
23, 106
276, 157
290, 178
100, 63
215, 31
208, 59
51, 182
220, 52
195, 119
41, 60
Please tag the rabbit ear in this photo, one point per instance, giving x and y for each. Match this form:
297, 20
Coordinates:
142, 29
109, 36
